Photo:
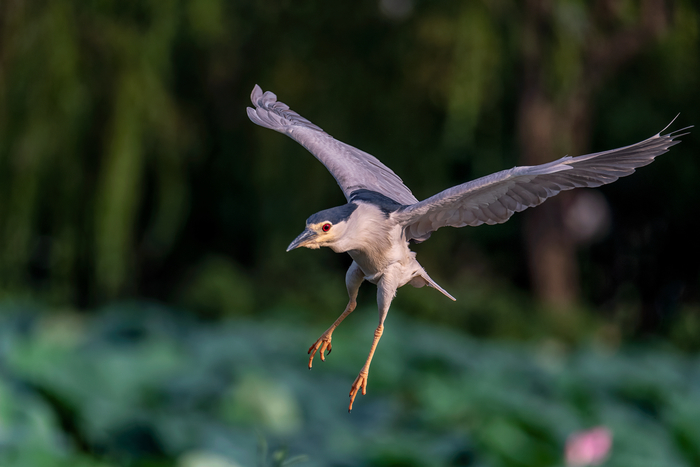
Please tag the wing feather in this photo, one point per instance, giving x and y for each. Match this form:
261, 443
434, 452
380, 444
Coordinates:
352, 169
494, 198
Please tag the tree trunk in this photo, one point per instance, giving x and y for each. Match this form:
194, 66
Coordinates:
552, 124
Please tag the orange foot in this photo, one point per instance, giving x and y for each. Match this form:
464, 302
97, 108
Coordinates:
360, 382
323, 343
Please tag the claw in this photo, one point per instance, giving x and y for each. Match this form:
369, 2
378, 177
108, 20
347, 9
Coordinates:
323, 343
360, 382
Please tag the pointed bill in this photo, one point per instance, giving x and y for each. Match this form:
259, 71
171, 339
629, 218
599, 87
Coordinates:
306, 236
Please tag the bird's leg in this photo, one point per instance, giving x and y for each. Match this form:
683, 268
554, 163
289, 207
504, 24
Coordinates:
323, 343
353, 279
361, 380
386, 290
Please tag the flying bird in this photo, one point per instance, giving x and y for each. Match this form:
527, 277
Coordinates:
382, 216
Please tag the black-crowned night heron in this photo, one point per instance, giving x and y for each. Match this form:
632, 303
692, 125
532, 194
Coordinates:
382, 216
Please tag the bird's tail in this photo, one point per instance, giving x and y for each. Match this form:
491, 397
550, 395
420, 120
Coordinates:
424, 279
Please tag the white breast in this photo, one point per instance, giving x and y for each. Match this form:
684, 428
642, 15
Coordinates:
376, 244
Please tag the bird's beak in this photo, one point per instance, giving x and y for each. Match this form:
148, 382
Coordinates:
305, 237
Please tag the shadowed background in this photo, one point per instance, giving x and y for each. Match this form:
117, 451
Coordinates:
144, 218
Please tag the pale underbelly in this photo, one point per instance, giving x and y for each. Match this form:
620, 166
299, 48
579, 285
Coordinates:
372, 270
402, 271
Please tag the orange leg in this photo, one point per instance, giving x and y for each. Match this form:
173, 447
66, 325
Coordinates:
386, 289
361, 380
353, 279
324, 342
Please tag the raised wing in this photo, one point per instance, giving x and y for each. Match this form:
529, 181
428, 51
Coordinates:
352, 169
494, 198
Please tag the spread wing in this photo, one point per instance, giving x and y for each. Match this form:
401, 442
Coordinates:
352, 169
494, 198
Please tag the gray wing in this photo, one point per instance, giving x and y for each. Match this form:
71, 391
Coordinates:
352, 169
494, 198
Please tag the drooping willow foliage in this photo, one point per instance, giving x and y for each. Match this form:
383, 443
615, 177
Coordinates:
91, 132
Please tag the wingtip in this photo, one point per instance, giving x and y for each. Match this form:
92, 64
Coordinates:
671, 123
255, 95
251, 113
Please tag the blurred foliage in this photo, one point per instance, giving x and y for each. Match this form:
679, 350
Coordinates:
133, 386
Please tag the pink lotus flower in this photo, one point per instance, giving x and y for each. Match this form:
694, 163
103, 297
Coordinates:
590, 447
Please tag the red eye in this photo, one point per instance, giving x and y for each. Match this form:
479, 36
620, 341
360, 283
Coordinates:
326, 227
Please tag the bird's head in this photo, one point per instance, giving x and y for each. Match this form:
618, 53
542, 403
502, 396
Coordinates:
325, 228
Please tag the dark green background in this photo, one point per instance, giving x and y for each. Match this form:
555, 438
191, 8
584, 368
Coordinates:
150, 315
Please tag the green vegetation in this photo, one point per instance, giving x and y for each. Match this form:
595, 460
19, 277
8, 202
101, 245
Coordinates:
135, 386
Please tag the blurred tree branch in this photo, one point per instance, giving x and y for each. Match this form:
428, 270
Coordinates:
551, 119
